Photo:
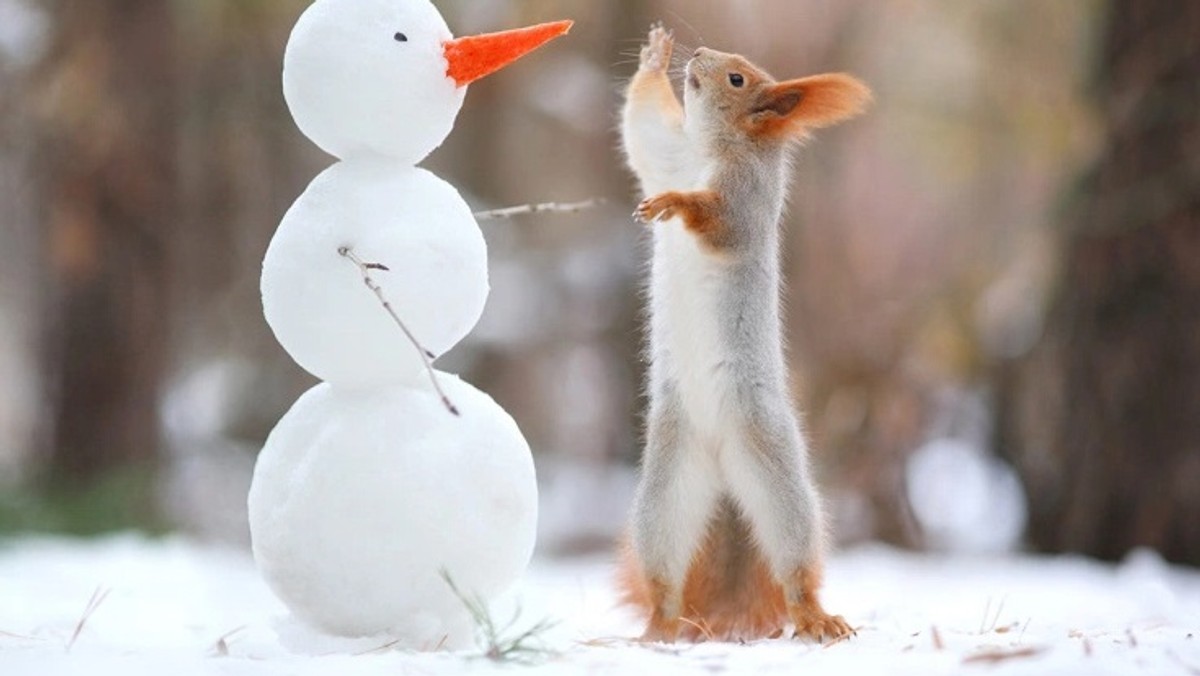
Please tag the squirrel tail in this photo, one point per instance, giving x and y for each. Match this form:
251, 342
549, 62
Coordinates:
729, 593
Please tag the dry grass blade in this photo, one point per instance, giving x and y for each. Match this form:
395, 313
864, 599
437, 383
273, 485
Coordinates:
221, 645
607, 642
426, 356
1025, 626
938, 644
380, 649
545, 208
1190, 668
998, 655
700, 626
92, 606
988, 622
841, 638
496, 642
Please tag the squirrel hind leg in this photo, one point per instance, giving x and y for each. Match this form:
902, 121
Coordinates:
647, 596
731, 593
805, 610
666, 604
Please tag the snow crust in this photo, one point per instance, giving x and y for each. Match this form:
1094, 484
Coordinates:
361, 499
176, 607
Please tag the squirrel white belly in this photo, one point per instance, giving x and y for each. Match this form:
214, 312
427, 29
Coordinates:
728, 532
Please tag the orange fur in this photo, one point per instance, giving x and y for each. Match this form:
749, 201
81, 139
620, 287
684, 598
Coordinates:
808, 617
729, 594
655, 87
700, 212
793, 107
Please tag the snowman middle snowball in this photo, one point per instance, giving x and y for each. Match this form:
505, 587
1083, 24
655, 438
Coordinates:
399, 216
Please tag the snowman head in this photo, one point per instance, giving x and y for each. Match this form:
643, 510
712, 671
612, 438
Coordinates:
386, 77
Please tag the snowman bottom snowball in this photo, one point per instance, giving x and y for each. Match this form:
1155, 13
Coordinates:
363, 499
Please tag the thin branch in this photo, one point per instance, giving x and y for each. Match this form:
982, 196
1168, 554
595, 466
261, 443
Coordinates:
547, 208
426, 356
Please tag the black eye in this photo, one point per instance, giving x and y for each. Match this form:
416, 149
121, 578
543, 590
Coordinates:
736, 79
401, 37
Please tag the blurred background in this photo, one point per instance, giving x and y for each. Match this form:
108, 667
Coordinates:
993, 278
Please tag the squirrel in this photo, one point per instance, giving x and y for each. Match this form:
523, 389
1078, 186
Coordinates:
728, 534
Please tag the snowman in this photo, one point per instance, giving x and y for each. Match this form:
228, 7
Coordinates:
372, 494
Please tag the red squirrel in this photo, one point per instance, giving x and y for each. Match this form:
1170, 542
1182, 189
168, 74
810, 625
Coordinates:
728, 534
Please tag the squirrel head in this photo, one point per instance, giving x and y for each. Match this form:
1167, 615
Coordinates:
728, 98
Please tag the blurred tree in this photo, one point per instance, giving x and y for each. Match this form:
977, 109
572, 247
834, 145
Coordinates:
1102, 417
107, 165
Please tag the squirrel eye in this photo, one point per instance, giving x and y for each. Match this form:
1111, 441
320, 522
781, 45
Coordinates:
736, 79
401, 37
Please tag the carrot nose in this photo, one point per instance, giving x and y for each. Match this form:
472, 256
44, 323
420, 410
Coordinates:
476, 56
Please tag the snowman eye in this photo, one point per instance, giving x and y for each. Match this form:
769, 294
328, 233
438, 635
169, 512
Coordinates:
401, 37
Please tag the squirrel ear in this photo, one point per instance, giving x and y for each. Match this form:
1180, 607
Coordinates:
794, 107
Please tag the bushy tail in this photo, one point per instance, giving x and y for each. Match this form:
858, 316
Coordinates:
729, 594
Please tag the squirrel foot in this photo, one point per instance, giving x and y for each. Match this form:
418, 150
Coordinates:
656, 54
817, 625
660, 631
811, 620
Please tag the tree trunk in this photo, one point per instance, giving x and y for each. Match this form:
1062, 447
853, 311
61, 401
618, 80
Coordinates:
1103, 417
108, 173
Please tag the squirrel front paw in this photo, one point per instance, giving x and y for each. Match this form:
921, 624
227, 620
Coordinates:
656, 54
656, 208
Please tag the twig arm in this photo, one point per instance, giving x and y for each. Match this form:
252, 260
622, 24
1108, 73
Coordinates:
427, 357
548, 207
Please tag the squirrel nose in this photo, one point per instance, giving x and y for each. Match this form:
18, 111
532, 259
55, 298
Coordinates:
698, 52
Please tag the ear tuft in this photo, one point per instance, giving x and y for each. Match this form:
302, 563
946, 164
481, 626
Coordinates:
794, 107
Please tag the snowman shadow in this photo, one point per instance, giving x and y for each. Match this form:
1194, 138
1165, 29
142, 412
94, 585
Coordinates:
423, 632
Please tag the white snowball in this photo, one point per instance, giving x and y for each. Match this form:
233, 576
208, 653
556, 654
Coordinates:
965, 499
399, 216
361, 498
354, 89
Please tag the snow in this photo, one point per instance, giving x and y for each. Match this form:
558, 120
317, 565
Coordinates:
355, 89
178, 607
981, 510
24, 32
362, 498
401, 217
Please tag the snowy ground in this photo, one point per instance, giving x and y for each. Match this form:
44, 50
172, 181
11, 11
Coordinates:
172, 607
